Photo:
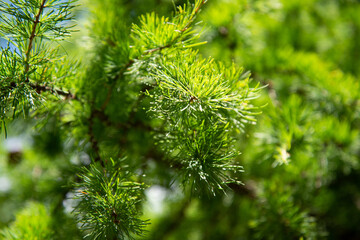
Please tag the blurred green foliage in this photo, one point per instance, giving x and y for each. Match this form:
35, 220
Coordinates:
31, 223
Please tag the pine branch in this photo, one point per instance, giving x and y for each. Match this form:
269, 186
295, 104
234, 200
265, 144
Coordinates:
170, 44
176, 38
108, 206
31, 39
23, 24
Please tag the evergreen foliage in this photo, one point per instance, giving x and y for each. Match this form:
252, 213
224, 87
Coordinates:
115, 190
31, 28
33, 222
108, 106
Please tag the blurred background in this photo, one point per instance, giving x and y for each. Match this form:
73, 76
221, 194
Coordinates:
301, 160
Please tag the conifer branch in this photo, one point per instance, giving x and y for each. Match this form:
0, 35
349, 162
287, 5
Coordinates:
153, 50
176, 38
31, 39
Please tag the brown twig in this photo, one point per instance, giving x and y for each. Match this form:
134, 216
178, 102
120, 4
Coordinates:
31, 39
43, 88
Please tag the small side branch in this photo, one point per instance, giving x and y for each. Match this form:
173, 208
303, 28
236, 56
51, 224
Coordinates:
42, 88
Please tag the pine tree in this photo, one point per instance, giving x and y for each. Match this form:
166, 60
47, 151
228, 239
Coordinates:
143, 81
132, 120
